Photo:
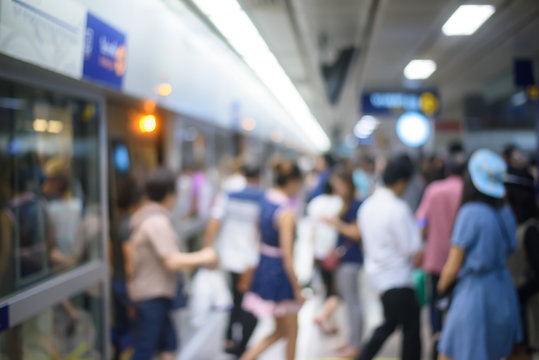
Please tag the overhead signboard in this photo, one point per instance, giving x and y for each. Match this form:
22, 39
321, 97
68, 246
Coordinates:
426, 102
49, 33
104, 53
61, 36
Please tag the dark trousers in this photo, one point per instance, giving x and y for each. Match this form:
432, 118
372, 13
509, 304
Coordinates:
154, 331
435, 314
245, 319
400, 309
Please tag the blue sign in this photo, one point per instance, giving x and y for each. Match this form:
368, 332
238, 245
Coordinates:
4, 318
104, 53
425, 102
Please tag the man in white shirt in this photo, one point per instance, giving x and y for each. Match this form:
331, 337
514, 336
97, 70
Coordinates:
234, 229
392, 246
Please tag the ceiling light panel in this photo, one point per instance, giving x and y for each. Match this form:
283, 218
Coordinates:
467, 19
419, 69
234, 24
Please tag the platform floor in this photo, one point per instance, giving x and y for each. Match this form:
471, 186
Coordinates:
205, 343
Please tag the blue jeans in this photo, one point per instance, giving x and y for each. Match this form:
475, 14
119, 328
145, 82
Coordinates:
154, 331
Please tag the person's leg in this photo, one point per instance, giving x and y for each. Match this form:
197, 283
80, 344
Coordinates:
249, 322
291, 325
347, 286
278, 333
148, 324
411, 325
235, 314
169, 344
391, 304
324, 319
435, 314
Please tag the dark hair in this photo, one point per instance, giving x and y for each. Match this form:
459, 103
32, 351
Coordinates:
398, 168
161, 182
471, 194
130, 193
329, 159
521, 194
346, 176
251, 171
508, 151
286, 171
327, 189
455, 147
456, 164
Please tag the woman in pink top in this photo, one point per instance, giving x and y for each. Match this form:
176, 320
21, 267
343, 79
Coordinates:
436, 216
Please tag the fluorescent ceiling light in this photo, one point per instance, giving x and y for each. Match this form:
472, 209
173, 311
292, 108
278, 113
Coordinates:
467, 19
365, 126
234, 24
419, 69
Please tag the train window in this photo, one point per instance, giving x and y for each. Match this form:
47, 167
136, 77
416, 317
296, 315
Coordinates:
50, 217
69, 330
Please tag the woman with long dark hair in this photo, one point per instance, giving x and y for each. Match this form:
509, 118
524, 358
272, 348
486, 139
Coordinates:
350, 258
275, 290
483, 322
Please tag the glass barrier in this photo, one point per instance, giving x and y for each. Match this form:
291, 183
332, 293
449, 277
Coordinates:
70, 330
50, 217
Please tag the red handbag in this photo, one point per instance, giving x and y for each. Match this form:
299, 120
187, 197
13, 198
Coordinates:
333, 259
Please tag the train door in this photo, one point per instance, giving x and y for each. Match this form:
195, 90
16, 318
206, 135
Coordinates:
53, 258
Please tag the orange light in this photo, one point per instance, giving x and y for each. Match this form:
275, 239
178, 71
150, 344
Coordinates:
147, 124
248, 124
164, 89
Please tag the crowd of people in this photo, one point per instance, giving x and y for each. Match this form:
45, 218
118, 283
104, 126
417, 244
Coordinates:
468, 221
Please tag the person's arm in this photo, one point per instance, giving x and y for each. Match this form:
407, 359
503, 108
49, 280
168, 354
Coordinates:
179, 261
286, 240
451, 268
212, 229
531, 243
350, 230
164, 240
214, 224
422, 212
407, 235
128, 263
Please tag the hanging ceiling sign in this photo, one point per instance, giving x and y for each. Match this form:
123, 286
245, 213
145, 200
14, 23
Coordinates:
426, 102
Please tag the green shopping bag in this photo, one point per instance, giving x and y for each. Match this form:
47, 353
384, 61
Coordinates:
420, 286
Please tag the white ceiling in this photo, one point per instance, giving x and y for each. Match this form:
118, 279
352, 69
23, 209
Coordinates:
389, 33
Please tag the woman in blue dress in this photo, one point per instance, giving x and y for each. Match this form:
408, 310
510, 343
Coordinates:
275, 290
483, 322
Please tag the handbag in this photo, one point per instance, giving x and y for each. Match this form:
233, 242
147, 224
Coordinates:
333, 259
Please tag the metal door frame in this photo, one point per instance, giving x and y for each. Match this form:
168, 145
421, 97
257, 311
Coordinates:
30, 302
